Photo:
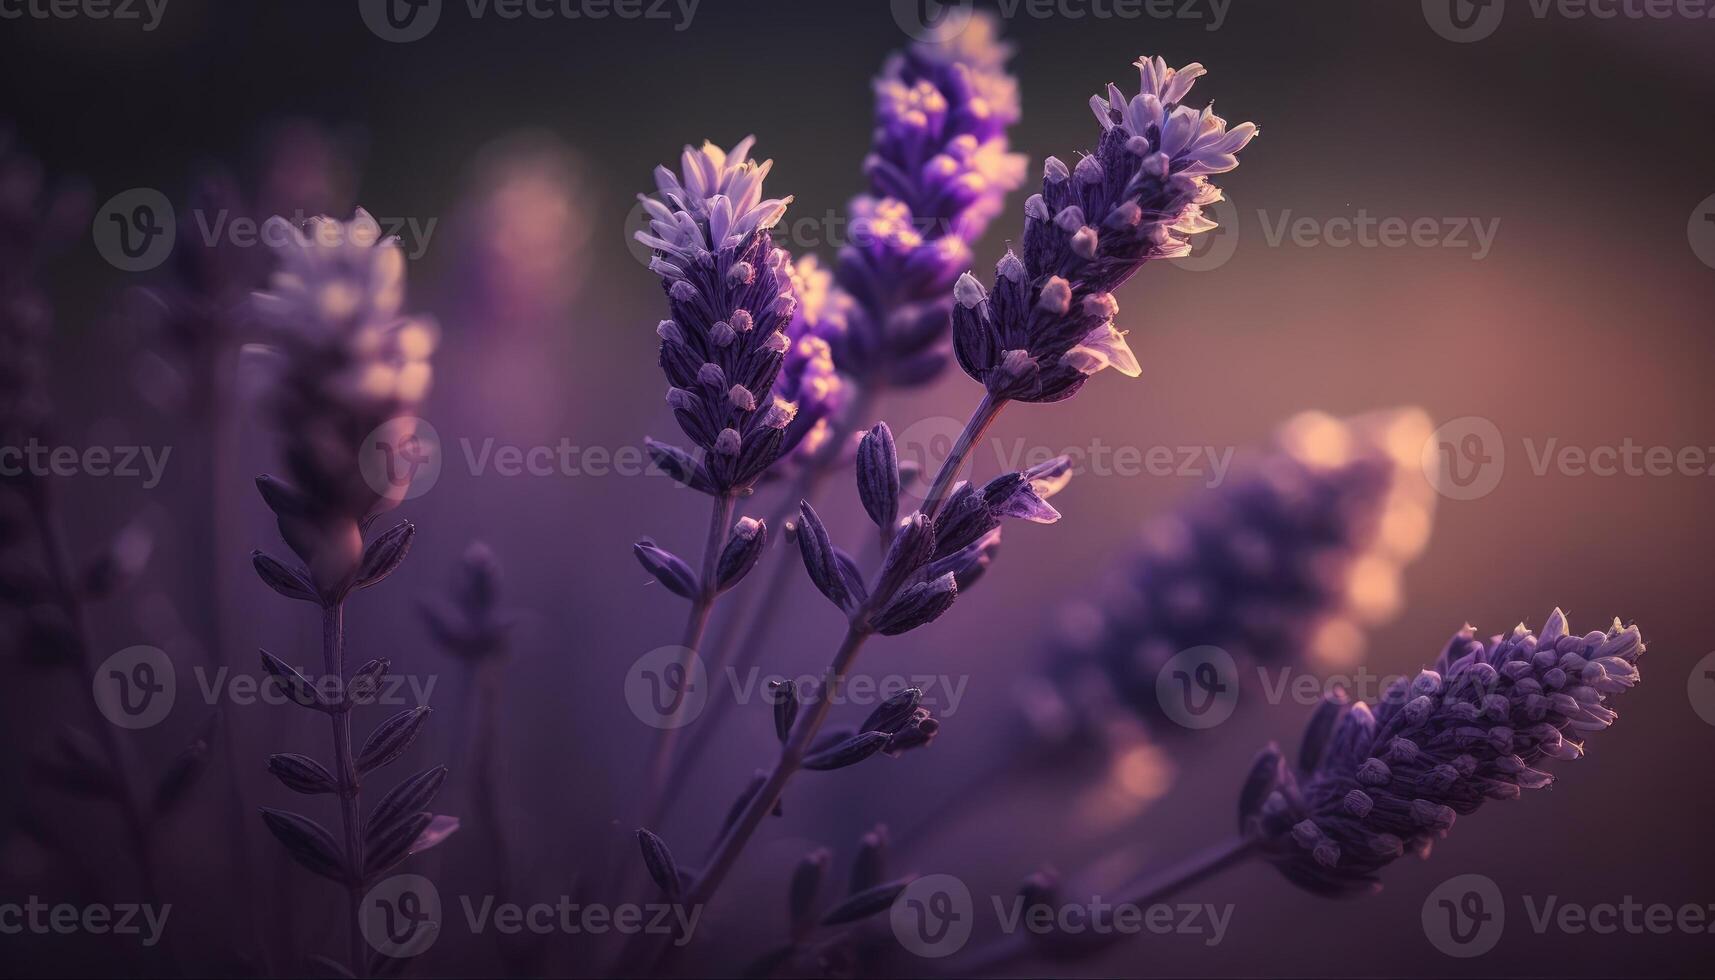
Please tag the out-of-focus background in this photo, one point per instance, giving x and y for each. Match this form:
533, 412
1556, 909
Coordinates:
1553, 295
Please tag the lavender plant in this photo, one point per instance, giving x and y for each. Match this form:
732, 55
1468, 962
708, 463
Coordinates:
1048, 327
1373, 785
1285, 564
350, 362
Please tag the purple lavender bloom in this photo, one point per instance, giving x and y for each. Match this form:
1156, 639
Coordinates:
730, 294
1372, 786
349, 361
809, 377
939, 171
1048, 322
1286, 563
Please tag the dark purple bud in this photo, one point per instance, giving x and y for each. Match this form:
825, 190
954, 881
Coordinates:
281, 497
678, 464
669, 569
1267, 772
291, 683
393, 843
919, 605
806, 883
912, 547
306, 841
743, 550
186, 769
865, 903
659, 861
878, 475
411, 796
365, 683
391, 738
917, 732
891, 715
870, 865
785, 707
821, 560
385, 553
302, 774
848, 753
288, 580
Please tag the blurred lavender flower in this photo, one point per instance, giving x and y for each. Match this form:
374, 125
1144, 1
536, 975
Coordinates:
524, 234
809, 377
1286, 563
1371, 786
730, 294
349, 362
1048, 322
939, 171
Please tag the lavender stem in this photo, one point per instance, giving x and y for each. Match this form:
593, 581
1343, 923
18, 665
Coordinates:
986, 412
986, 960
696, 623
333, 657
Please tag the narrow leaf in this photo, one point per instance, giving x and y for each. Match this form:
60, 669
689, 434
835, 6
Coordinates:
305, 840
385, 553
865, 903
410, 796
848, 753
288, 580
302, 774
391, 738
659, 861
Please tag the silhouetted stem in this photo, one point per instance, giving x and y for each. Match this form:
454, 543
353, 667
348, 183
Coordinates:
696, 622
986, 412
333, 658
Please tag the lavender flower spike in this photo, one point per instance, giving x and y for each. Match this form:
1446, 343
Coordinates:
1372, 786
729, 292
1048, 322
939, 170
